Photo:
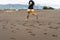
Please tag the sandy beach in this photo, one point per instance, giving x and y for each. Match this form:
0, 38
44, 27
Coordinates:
14, 27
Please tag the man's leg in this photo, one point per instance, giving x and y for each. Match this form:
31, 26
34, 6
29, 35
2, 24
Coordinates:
34, 14
28, 13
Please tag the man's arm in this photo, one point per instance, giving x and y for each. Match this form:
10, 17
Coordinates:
33, 3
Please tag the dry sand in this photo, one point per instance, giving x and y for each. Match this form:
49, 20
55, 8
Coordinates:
14, 27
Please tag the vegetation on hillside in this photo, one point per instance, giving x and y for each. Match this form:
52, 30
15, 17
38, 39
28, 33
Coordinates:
45, 7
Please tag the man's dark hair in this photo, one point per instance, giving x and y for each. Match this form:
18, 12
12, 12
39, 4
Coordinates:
31, 6
31, 0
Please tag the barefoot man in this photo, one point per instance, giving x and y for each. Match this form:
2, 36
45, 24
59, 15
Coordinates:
31, 9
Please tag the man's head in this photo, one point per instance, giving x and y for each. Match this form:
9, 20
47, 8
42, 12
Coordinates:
31, 0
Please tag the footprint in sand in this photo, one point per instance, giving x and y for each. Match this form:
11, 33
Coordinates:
7, 22
24, 24
1, 20
45, 33
28, 29
37, 21
11, 27
50, 27
54, 27
12, 38
40, 24
17, 29
19, 23
30, 32
58, 23
37, 27
4, 28
54, 35
13, 24
13, 31
34, 26
49, 23
33, 34
4, 25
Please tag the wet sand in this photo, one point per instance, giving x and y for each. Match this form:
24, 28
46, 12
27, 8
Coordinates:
14, 27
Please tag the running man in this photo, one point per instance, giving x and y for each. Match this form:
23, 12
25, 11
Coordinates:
31, 9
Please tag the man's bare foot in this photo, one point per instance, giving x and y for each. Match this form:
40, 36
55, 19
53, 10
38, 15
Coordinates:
26, 20
37, 17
